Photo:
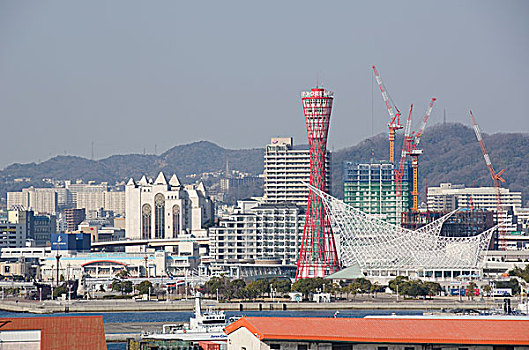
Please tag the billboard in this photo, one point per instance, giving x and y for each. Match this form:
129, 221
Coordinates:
70, 241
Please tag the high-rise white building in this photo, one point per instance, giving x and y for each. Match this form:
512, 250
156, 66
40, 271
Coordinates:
106, 200
450, 197
286, 170
166, 209
90, 196
40, 200
268, 231
79, 187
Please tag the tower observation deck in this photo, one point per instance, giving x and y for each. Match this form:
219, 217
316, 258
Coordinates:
317, 256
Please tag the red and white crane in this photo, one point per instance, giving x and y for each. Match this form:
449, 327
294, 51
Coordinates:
496, 176
415, 152
406, 147
394, 124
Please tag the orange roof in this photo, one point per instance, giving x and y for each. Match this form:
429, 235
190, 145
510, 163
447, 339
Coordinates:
388, 330
63, 332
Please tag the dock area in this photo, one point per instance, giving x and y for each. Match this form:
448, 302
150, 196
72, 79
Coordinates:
100, 306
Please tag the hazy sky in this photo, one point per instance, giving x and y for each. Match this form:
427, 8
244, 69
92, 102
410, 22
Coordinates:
127, 75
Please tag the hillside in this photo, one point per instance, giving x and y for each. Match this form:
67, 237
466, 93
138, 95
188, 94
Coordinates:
193, 158
451, 154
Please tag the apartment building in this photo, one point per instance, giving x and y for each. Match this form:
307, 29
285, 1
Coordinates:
265, 232
287, 169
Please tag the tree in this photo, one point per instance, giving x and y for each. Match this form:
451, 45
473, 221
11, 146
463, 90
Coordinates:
472, 290
125, 287
364, 285
124, 273
118, 283
433, 288
397, 281
306, 286
413, 288
522, 273
60, 290
352, 288
216, 283
252, 290
236, 289
144, 287
281, 285
487, 289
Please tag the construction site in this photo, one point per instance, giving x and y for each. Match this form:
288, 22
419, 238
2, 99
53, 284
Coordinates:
389, 190
382, 228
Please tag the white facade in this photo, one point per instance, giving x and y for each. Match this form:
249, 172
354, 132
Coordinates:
286, 169
106, 200
450, 197
162, 209
264, 232
90, 196
106, 265
40, 200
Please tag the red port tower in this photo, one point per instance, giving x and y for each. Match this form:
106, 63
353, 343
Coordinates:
317, 256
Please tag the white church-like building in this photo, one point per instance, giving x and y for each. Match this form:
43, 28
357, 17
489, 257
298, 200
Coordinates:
163, 209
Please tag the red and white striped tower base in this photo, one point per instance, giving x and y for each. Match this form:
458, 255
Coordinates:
317, 256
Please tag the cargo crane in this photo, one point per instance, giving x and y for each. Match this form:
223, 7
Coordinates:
496, 176
394, 124
415, 152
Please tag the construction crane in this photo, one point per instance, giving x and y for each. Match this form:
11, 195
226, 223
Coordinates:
394, 124
406, 147
415, 152
496, 176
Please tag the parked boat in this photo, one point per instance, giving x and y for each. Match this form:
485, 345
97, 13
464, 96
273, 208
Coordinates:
207, 325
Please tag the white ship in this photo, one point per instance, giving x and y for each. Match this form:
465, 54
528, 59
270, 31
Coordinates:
208, 325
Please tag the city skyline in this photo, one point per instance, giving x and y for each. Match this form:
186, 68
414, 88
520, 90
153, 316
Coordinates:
153, 75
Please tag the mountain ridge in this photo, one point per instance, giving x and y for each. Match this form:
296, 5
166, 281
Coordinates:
451, 154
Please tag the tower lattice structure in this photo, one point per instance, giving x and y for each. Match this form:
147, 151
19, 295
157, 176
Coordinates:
317, 256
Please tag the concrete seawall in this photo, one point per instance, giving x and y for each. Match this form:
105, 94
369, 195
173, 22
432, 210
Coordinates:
145, 306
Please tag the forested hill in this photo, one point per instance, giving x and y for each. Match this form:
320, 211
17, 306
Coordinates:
451, 154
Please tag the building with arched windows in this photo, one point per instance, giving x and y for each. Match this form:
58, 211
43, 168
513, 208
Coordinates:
163, 209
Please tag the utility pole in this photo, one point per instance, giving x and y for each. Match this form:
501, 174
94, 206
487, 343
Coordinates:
58, 257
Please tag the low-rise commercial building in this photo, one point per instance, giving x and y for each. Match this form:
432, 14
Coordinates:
307, 333
12, 235
450, 197
106, 264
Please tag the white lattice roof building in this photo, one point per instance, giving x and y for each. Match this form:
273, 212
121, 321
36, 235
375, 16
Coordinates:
389, 250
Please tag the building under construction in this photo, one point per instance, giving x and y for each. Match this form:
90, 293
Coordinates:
463, 223
371, 188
